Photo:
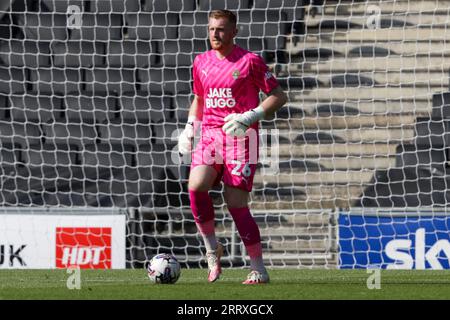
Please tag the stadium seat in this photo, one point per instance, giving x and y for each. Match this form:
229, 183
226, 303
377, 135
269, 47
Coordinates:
139, 109
299, 83
131, 54
109, 81
175, 53
288, 112
193, 26
55, 81
36, 109
351, 80
103, 161
152, 26
181, 104
168, 81
168, 5
389, 23
22, 134
75, 54
290, 166
89, 109
128, 134
178, 80
271, 26
441, 105
294, 10
317, 54
78, 134
43, 26
114, 6
23, 53
208, 5
334, 25
370, 51
432, 132
263, 32
166, 132
50, 161
12, 80
317, 138
10, 158
60, 6
46, 169
411, 155
99, 27
334, 109
406, 187
287, 193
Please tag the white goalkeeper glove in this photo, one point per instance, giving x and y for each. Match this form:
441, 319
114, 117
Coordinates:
186, 136
236, 124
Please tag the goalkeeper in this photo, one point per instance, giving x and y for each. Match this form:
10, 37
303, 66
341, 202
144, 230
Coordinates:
227, 82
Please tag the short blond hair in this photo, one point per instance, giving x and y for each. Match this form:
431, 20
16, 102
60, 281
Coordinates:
217, 14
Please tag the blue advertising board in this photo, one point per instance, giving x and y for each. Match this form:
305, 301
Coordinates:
394, 240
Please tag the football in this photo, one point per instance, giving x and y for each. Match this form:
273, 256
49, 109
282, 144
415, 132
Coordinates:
164, 268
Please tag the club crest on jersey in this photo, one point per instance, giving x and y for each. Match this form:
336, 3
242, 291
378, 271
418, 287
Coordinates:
235, 74
268, 75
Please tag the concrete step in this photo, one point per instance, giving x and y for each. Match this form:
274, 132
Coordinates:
342, 163
353, 177
419, 19
314, 192
302, 204
306, 151
299, 245
313, 218
418, 63
401, 47
416, 106
386, 7
438, 79
388, 34
365, 93
343, 122
301, 260
394, 134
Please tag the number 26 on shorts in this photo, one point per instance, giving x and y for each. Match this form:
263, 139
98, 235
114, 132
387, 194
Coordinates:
239, 169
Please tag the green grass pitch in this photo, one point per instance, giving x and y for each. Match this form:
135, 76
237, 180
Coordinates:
285, 284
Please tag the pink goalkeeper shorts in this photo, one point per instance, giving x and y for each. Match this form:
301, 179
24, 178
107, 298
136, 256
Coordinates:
234, 159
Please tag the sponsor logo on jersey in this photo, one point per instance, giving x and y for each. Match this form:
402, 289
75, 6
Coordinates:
220, 98
86, 248
268, 75
235, 74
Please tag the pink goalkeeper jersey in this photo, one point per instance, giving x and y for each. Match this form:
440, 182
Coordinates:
230, 85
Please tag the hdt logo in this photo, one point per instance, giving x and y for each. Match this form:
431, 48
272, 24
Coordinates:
398, 250
86, 248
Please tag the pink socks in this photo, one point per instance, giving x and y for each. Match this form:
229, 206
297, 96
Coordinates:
249, 232
203, 212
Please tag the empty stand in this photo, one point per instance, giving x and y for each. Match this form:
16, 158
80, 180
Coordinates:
90, 110
131, 54
109, 82
76, 54
171, 5
43, 26
24, 53
151, 26
99, 27
144, 109
13, 80
54, 81
208, 5
36, 109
